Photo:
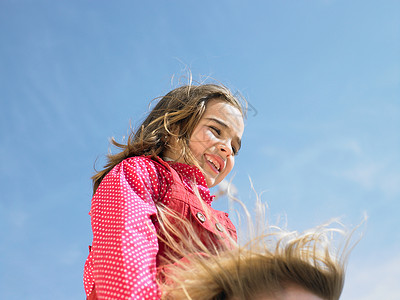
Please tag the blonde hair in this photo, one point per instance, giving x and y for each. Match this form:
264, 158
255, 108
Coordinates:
266, 265
176, 114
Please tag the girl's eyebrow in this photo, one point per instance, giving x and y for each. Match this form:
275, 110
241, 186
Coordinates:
223, 124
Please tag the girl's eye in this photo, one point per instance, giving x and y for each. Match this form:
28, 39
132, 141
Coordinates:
216, 130
234, 150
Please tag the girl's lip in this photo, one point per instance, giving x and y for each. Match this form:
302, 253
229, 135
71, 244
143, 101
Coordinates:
218, 159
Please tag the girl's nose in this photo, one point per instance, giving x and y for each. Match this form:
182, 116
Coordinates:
225, 149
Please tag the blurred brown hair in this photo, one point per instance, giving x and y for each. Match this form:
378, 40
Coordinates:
266, 265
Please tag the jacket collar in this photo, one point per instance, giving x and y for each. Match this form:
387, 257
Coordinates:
191, 175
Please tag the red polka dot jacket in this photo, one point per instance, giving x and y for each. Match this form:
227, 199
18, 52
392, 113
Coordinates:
125, 252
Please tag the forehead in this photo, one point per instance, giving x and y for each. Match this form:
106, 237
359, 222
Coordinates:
226, 113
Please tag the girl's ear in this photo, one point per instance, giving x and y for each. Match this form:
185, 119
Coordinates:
174, 132
172, 147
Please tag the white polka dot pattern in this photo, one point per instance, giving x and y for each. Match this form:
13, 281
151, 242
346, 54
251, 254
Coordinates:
122, 261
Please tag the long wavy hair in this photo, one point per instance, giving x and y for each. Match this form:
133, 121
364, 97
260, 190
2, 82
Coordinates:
176, 114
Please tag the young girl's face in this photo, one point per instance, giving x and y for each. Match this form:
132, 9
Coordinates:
216, 140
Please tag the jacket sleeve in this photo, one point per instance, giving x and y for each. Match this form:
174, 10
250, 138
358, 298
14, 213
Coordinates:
124, 241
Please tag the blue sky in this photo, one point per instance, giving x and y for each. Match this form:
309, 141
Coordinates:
321, 140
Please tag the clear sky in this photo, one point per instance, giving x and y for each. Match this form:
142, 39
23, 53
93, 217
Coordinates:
322, 78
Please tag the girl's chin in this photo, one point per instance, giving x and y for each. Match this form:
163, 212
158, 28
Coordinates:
211, 176
212, 181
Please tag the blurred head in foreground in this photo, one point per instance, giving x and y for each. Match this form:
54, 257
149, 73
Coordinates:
278, 265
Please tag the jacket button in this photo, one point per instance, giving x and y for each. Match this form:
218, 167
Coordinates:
219, 227
201, 217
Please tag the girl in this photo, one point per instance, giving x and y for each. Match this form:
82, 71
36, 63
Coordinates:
187, 144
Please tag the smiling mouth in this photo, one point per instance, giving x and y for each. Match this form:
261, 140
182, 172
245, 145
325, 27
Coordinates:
216, 166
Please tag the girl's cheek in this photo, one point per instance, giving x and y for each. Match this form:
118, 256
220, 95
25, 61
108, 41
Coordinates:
208, 136
231, 163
